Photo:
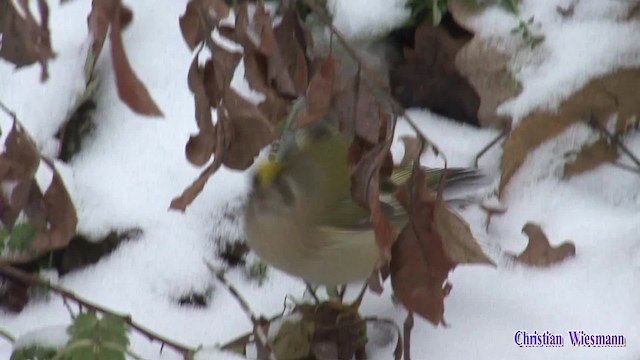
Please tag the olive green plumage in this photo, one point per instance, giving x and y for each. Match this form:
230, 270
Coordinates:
300, 217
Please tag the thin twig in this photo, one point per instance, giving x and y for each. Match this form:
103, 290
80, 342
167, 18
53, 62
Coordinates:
489, 146
6, 109
614, 139
66, 304
27, 278
408, 326
626, 167
257, 324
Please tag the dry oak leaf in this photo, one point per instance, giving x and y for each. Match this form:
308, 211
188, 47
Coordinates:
484, 66
487, 70
590, 157
539, 252
617, 92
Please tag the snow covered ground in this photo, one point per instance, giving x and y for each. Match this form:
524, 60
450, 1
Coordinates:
132, 166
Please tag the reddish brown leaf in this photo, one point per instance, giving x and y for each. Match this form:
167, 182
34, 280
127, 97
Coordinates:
275, 106
218, 72
319, 94
293, 39
102, 11
419, 263
211, 11
190, 25
24, 41
365, 189
189, 194
200, 147
130, 89
539, 251
250, 131
18, 164
60, 216
356, 110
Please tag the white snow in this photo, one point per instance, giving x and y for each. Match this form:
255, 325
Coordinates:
367, 19
44, 176
131, 167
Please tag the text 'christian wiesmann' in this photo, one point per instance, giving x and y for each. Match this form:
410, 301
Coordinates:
576, 338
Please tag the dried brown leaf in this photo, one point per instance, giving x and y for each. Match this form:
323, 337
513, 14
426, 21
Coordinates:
590, 157
190, 25
218, 72
412, 149
24, 41
211, 11
319, 94
130, 89
487, 70
356, 111
61, 219
601, 98
459, 243
200, 147
539, 251
249, 130
292, 39
365, 190
428, 77
18, 165
419, 263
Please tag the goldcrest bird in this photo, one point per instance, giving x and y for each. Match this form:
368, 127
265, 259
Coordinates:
300, 217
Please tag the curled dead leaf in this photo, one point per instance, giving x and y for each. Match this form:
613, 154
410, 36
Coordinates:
130, 89
539, 251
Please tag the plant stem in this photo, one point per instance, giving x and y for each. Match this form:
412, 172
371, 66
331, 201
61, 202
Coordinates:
7, 270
